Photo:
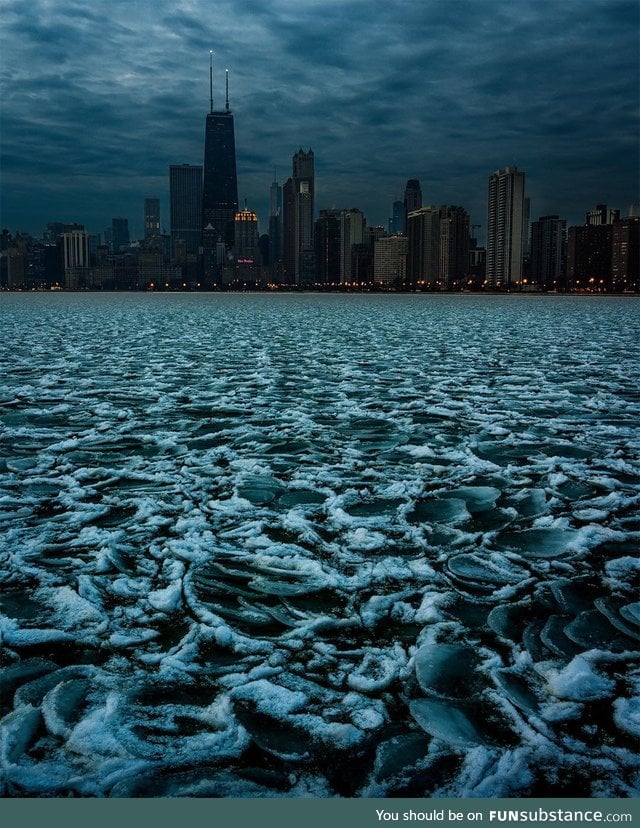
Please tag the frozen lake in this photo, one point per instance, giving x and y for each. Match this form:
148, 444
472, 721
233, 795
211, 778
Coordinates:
319, 545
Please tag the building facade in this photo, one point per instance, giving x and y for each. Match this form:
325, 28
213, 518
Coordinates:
185, 207
423, 247
625, 254
152, 218
352, 229
220, 181
453, 258
327, 246
548, 253
505, 228
589, 257
390, 262
412, 200
298, 220
75, 257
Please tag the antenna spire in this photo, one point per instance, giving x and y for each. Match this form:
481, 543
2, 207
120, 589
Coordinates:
226, 103
210, 81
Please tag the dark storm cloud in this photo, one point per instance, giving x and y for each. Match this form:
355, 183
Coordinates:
99, 99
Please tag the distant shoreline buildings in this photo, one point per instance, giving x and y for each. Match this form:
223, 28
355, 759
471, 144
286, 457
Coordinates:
213, 245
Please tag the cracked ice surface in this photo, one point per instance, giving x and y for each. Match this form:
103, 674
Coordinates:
298, 545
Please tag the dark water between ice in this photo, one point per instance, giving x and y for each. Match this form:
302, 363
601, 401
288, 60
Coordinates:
299, 545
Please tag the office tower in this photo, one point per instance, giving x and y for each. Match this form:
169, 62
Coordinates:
390, 261
275, 224
423, 246
246, 237
625, 254
362, 264
298, 213
396, 221
412, 200
327, 245
453, 267
185, 207
151, 217
75, 255
352, 228
505, 227
220, 183
548, 252
589, 257
601, 215
120, 228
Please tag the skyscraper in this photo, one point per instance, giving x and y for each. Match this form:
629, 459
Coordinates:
151, 217
412, 199
505, 227
601, 215
298, 212
327, 244
396, 220
548, 252
185, 206
75, 252
390, 260
625, 254
423, 247
453, 268
220, 183
246, 237
275, 224
352, 227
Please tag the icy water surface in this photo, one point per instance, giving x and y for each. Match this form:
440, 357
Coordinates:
298, 545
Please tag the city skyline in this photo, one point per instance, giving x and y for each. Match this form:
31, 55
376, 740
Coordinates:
454, 93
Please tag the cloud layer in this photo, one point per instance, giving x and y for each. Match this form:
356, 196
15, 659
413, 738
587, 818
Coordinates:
99, 99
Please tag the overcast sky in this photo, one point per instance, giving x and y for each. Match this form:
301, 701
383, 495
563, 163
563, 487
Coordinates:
98, 98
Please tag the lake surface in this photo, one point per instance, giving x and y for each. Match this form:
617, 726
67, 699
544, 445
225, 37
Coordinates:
319, 545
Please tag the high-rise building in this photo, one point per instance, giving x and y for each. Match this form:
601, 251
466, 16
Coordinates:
298, 214
185, 207
601, 215
246, 237
390, 261
220, 183
625, 254
396, 220
423, 246
453, 264
120, 227
352, 228
589, 257
275, 224
412, 200
505, 227
151, 218
548, 252
75, 255
327, 245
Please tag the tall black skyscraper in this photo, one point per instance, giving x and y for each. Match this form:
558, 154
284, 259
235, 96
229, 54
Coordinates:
220, 184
